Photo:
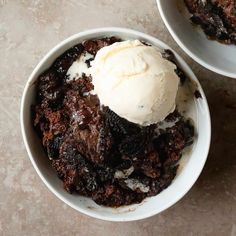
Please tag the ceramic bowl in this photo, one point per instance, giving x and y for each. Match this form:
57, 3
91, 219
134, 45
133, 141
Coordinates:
190, 167
211, 54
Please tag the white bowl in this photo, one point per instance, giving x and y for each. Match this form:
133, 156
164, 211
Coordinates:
188, 173
211, 54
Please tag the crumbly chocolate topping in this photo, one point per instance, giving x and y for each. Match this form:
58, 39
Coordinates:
216, 17
95, 152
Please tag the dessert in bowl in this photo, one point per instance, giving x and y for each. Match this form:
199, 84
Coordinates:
205, 30
217, 18
114, 113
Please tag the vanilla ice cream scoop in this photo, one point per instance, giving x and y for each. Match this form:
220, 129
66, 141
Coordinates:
135, 82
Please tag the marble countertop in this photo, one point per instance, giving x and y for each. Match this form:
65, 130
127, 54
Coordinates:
28, 29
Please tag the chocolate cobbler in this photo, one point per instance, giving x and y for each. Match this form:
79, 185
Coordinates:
95, 152
216, 17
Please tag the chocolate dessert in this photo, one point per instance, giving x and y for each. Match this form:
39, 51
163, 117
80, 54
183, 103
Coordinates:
216, 17
95, 152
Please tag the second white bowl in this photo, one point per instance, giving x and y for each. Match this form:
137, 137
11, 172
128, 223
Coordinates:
211, 54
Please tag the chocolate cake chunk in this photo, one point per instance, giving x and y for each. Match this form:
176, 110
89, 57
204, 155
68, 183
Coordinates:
95, 152
216, 17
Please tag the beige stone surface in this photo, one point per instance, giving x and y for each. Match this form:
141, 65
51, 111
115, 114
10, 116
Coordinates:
28, 29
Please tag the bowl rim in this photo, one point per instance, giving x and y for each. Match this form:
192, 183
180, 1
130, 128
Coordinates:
113, 30
185, 48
